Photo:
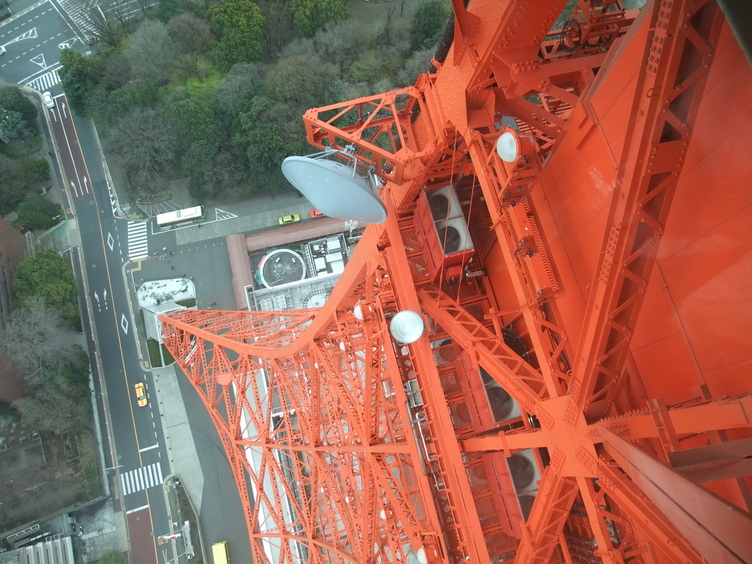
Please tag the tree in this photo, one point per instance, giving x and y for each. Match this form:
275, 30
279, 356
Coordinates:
49, 276
17, 177
62, 400
13, 126
11, 190
311, 15
194, 120
115, 70
11, 98
150, 51
418, 63
240, 84
191, 35
429, 22
78, 76
146, 144
32, 218
342, 43
304, 81
228, 176
279, 29
134, 95
34, 339
264, 130
198, 158
36, 171
267, 148
239, 25
108, 29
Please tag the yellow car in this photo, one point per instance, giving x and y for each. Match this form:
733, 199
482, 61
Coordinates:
294, 218
141, 394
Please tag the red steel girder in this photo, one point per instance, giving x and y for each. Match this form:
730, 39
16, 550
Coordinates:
322, 443
423, 133
719, 531
676, 64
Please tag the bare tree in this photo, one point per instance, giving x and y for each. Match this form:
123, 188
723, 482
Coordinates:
107, 30
57, 406
146, 144
35, 339
151, 51
192, 35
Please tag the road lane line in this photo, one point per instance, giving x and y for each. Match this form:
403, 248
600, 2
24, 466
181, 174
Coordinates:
159, 472
122, 483
73, 159
137, 509
148, 448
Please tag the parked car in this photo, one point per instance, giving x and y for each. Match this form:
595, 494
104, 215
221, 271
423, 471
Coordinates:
141, 394
48, 100
287, 219
3, 50
316, 213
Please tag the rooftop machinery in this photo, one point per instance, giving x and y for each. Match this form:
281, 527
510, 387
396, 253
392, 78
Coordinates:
569, 212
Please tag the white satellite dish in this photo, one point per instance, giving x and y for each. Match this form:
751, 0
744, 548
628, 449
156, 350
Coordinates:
333, 188
508, 146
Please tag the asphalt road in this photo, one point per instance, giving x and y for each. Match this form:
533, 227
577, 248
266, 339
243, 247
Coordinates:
33, 41
137, 451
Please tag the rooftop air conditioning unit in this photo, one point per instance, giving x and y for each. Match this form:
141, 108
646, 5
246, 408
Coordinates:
524, 471
444, 204
454, 236
525, 475
503, 406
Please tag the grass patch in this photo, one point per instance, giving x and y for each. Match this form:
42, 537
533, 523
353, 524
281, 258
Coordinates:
195, 85
167, 356
190, 302
154, 358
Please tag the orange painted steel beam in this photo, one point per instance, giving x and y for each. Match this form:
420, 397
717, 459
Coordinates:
719, 531
300, 431
670, 86
312, 406
520, 379
504, 186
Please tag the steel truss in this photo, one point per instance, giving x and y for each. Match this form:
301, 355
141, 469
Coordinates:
347, 447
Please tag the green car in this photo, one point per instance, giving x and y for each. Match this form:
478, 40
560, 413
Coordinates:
285, 220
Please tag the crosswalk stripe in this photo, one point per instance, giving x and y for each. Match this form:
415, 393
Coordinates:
137, 240
141, 478
44, 82
77, 11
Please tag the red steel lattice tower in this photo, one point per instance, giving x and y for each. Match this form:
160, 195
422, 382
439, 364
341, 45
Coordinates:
523, 425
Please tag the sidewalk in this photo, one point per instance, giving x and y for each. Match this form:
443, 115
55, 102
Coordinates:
181, 448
